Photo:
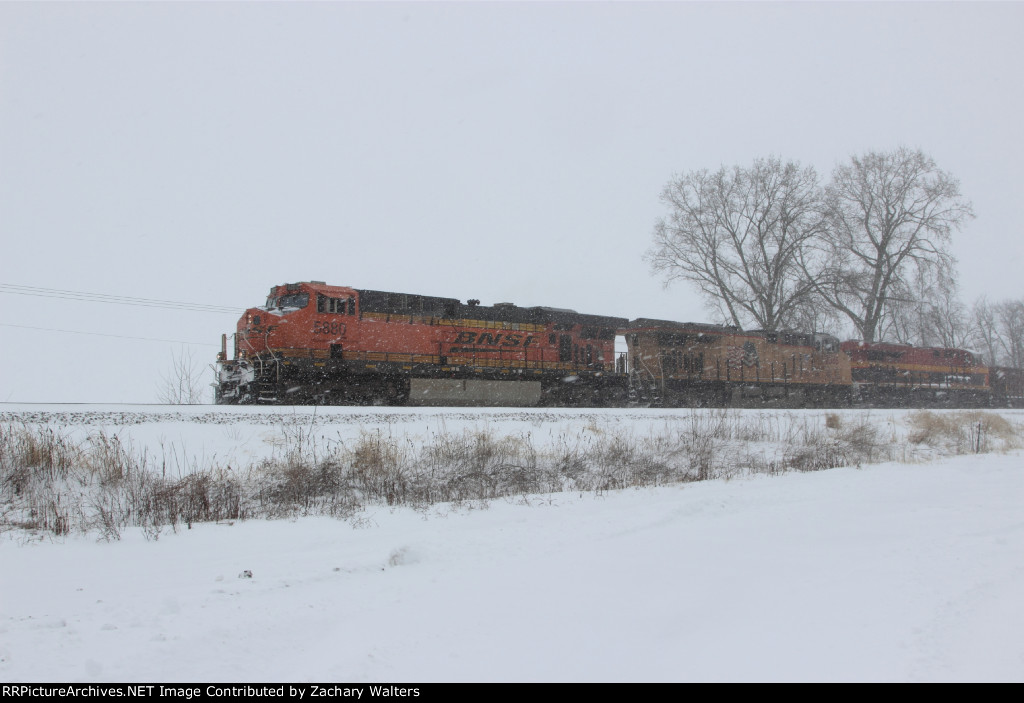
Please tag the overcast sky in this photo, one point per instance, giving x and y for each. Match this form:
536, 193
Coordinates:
202, 152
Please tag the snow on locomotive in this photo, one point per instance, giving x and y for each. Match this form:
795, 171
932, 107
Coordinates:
315, 343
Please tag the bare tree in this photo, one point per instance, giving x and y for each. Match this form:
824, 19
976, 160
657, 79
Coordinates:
927, 311
183, 384
892, 215
984, 330
738, 234
1010, 324
998, 331
946, 321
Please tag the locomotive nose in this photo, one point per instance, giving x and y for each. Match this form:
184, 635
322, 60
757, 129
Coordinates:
251, 332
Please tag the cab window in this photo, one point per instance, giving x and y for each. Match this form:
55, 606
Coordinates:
293, 300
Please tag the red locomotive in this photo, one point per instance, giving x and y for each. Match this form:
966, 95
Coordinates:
313, 342
902, 374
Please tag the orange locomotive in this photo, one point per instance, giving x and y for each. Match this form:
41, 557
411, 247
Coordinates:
686, 363
313, 342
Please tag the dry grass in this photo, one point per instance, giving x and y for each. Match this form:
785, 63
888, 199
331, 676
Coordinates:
964, 432
50, 484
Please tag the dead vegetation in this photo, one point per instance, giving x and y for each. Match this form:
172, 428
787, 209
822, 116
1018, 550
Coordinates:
966, 432
51, 484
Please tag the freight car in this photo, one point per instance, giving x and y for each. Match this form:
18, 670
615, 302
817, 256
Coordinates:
315, 343
312, 343
1007, 386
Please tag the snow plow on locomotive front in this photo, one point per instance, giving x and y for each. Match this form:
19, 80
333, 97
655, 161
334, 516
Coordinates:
315, 343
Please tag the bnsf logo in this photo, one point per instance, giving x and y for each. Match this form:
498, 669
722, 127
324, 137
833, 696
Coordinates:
494, 340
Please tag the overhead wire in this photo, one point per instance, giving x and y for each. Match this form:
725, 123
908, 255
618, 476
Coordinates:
85, 297
102, 334
82, 296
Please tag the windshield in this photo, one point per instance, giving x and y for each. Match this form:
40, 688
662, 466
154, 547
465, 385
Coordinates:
294, 300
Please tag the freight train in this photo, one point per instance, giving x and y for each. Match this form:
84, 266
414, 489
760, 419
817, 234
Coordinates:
313, 343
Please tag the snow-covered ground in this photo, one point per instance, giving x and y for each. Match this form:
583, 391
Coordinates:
887, 572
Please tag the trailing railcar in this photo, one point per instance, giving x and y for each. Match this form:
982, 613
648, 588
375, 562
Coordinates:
315, 343
1007, 386
886, 374
686, 363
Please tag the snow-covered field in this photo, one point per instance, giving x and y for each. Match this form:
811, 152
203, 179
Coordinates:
886, 572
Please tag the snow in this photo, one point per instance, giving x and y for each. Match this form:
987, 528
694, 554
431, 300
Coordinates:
887, 572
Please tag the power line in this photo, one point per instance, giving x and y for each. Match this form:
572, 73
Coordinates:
116, 336
83, 297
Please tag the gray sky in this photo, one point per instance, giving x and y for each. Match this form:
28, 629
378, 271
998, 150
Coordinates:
203, 152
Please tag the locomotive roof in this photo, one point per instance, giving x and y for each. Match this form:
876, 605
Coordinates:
899, 346
646, 322
411, 304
